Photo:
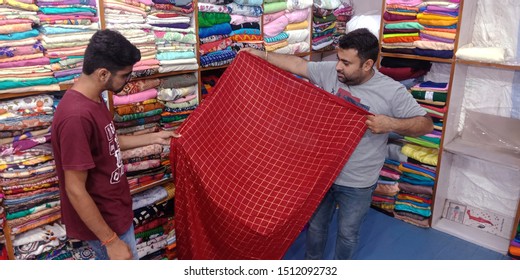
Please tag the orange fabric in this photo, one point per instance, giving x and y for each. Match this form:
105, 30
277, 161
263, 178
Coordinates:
405, 39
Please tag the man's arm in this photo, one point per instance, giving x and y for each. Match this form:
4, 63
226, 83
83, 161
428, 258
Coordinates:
290, 63
415, 126
134, 141
90, 215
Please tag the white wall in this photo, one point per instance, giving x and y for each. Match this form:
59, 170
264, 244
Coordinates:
363, 6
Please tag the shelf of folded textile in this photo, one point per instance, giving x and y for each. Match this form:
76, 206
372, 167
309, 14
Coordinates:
324, 25
410, 56
417, 28
413, 203
385, 194
28, 180
154, 222
514, 245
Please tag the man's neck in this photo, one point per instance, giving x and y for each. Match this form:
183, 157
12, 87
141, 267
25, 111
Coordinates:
369, 76
86, 86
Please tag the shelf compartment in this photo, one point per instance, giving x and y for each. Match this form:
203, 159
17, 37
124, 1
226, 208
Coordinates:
484, 239
410, 56
491, 154
490, 138
151, 185
514, 66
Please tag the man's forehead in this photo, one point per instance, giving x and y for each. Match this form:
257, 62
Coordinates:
348, 54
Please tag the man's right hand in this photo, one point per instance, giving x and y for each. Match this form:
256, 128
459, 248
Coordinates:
256, 52
118, 250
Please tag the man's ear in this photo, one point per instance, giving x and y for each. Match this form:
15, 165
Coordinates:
103, 74
369, 63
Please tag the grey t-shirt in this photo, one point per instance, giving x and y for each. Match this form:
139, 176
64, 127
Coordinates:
384, 96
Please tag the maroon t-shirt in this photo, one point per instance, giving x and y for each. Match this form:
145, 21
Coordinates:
84, 138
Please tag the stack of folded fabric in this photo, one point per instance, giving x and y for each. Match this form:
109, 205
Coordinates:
286, 26
439, 20
324, 26
64, 251
514, 245
401, 28
171, 239
214, 33
34, 243
129, 18
432, 97
64, 38
152, 236
245, 22
275, 23
246, 27
144, 166
137, 111
179, 94
421, 28
387, 186
2, 221
23, 66
136, 104
404, 69
132, 121
27, 170
413, 204
343, 14
173, 26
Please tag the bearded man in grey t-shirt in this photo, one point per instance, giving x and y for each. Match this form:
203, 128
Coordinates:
394, 110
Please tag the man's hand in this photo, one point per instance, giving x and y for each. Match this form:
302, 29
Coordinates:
252, 51
414, 126
118, 250
163, 137
379, 124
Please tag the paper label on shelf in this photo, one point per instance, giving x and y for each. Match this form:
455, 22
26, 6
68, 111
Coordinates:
478, 218
428, 95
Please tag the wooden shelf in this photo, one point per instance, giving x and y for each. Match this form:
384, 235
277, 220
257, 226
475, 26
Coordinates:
149, 186
409, 56
304, 54
167, 74
487, 153
514, 66
321, 52
68, 86
29, 93
202, 69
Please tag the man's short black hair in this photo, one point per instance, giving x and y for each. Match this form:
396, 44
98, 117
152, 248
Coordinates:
110, 50
363, 41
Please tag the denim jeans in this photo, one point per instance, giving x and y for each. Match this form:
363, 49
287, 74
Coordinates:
353, 207
128, 237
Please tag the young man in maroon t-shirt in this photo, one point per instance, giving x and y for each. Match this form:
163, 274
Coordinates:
96, 205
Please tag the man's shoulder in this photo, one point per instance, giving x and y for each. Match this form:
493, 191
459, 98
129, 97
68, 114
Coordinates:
324, 64
387, 82
321, 70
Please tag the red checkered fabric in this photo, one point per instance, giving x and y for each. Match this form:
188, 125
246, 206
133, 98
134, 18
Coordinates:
255, 160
